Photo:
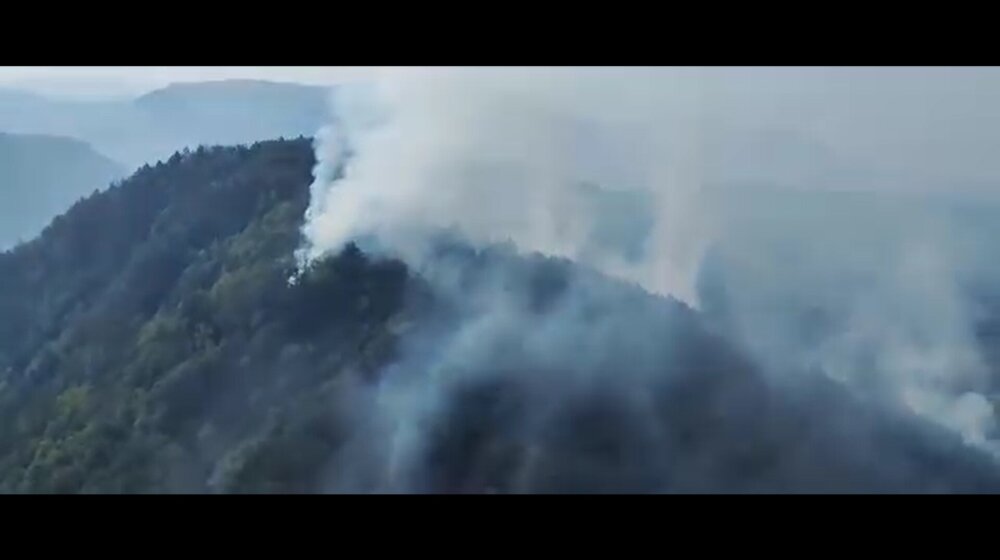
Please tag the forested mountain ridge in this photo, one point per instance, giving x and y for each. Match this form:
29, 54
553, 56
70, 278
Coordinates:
118, 318
150, 341
53, 151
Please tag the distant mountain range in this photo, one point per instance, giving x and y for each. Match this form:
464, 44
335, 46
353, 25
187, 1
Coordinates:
42, 176
54, 151
153, 126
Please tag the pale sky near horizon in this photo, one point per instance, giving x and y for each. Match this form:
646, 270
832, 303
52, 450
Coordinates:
930, 122
101, 81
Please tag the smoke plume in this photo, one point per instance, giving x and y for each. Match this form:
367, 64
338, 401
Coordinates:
631, 174
505, 155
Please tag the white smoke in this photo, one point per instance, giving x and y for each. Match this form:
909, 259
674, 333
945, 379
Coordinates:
873, 297
500, 155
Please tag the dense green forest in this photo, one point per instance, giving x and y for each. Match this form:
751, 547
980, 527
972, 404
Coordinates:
150, 341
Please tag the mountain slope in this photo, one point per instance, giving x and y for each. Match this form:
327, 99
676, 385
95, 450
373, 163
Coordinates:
150, 342
41, 176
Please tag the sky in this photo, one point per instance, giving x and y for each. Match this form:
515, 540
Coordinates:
105, 81
938, 124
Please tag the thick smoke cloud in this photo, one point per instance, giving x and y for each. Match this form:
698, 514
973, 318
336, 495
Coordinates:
652, 176
881, 296
504, 155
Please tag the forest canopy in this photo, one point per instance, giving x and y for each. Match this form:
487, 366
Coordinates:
150, 341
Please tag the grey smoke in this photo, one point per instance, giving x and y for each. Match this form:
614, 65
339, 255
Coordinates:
880, 296
500, 155
873, 293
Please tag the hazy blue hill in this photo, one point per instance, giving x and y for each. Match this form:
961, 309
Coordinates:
226, 113
41, 176
153, 126
236, 96
43, 171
